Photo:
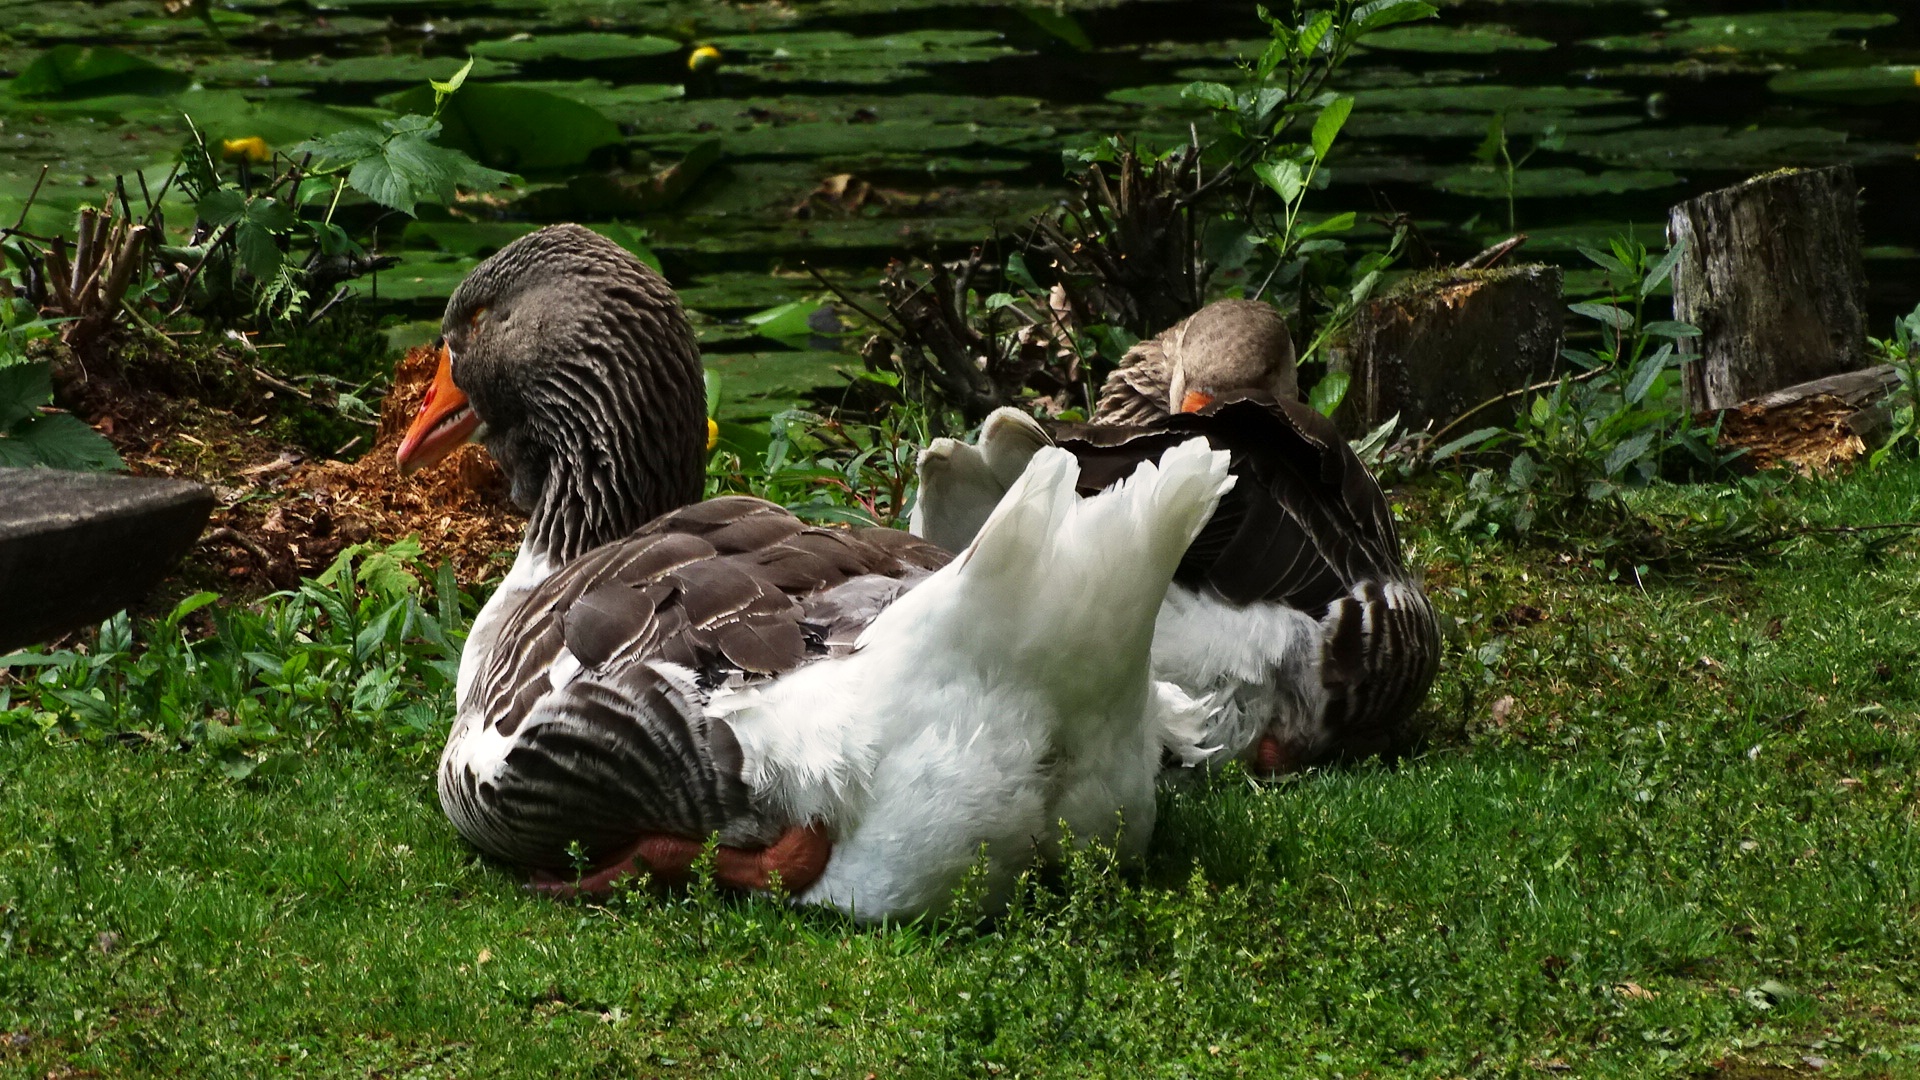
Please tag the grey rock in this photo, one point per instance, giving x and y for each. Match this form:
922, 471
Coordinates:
77, 547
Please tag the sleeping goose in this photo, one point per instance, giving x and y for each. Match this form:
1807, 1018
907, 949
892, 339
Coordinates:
1293, 612
849, 710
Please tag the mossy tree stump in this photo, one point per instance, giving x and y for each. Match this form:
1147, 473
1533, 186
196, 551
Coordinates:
1444, 343
1772, 277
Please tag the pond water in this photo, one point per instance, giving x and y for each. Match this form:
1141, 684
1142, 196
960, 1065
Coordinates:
953, 116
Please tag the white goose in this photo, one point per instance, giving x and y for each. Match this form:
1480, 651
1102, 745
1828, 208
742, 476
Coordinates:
847, 709
1293, 614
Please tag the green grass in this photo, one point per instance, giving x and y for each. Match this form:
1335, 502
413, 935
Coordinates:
1690, 840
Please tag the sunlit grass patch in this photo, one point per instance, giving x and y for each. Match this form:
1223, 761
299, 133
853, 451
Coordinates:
1677, 826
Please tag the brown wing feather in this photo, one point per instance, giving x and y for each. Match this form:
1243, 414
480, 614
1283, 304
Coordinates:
1304, 523
719, 591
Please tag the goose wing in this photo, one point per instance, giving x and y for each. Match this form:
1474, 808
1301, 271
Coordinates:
1303, 525
589, 724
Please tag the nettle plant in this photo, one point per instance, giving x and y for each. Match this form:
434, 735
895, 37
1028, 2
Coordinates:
1902, 350
268, 243
1582, 440
365, 653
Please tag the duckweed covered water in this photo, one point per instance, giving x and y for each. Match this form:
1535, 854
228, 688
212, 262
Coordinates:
955, 115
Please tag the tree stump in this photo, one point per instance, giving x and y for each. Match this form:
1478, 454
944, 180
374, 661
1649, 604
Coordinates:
1441, 344
1772, 277
77, 547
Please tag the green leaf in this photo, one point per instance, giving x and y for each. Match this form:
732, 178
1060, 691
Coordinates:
1605, 261
222, 207
1284, 177
1489, 149
387, 571
409, 168
342, 147
1329, 392
1669, 329
1384, 13
1327, 127
1466, 442
1629, 452
23, 389
1664, 268
190, 605
259, 249
1606, 313
57, 441
1211, 94
1313, 33
444, 88
1336, 223
1649, 370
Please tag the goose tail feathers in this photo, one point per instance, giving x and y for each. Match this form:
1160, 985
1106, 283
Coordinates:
960, 484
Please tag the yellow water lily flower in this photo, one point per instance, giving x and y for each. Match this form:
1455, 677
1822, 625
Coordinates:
252, 148
704, 58
713, 433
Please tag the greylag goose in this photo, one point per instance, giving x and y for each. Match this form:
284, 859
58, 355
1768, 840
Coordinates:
1293, 613
848, 709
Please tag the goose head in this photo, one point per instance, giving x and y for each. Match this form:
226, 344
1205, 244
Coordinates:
572, 362
1229, 346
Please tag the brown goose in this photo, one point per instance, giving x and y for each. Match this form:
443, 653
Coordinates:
848, 709
1293, 614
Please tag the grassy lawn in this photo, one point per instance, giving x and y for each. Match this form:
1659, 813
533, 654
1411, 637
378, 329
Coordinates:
1676, 832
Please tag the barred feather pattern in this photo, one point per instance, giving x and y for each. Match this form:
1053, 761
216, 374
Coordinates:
1136, 392
588, 723
1381, 653
561, 340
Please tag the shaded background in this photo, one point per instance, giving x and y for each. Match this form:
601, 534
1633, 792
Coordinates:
944, 124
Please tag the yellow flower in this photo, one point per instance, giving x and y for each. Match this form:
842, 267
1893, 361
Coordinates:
713, 433
252, 148
704, 58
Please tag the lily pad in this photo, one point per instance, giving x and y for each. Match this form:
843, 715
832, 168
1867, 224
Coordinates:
1712, 147
1556, 183
317, 70
74, 71
522, 48
423, 276
834, 56
1486, 98
228, 114
1763, 32
1469, 39
761, 383
515, 127
1858, 86
1524, 124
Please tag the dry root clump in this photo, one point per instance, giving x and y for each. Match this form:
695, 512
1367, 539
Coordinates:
458, 508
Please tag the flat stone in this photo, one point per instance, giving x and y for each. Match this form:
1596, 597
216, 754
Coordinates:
77, 547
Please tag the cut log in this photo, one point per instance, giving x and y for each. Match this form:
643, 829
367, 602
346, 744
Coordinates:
1813, 426
1772, 277
77, 547
1444, 343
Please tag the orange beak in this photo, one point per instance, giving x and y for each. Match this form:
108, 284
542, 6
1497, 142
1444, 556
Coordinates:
1195, 401
446, 421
